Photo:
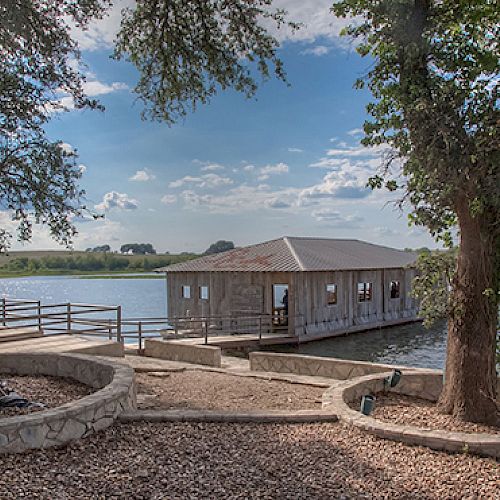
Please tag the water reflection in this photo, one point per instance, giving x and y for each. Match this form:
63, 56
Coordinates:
410, 344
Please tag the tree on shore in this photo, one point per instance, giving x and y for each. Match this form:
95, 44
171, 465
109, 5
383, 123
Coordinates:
436, 90
219, 246
39, 176
138, 248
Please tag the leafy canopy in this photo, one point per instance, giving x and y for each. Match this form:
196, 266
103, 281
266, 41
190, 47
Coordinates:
38, 64
436, 88
185, 50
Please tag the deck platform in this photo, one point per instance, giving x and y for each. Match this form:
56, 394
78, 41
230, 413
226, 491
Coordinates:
63, 343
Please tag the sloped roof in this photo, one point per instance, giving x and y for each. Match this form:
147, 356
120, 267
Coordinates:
291, 254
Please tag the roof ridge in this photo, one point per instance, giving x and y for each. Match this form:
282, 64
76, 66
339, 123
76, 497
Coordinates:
294, 253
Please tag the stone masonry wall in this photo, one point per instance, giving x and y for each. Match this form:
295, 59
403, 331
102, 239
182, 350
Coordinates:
73, 420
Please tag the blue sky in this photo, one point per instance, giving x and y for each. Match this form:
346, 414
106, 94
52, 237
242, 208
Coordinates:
286, 163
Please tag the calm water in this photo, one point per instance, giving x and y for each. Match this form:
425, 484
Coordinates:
409, 344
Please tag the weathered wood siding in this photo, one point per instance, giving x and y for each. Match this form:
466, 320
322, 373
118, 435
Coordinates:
237, 293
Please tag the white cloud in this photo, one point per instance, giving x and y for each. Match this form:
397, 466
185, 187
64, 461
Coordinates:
344, 151
315, 15
249, 168
212, 167
168, 199
203, 181
95, 88
143, 176
355, 132
120, 201
295, 150
67, 148
82, 168
318, 50
349, 183
278, 203
268, 170
329, 163
335, 218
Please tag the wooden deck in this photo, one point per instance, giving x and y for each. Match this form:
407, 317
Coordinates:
62, 343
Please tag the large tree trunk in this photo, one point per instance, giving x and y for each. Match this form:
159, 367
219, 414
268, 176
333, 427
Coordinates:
469, 391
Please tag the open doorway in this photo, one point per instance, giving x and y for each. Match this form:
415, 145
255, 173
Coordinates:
280, 305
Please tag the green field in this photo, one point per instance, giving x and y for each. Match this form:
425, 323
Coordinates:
66, 262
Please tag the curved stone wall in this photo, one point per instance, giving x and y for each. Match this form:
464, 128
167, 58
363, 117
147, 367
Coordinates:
426, 385
116, 393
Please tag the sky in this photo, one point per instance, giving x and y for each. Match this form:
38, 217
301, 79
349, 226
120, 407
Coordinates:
287, 162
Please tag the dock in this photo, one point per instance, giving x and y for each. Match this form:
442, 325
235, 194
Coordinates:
36, 341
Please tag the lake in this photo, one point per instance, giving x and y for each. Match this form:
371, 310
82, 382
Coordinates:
411, 344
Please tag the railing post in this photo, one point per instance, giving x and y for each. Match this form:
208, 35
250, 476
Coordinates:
119, 324
206, 332
3, 310
110, 330
140, 337
39, 311
260, 329
68, 317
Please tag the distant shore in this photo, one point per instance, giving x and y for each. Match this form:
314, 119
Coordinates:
88, 275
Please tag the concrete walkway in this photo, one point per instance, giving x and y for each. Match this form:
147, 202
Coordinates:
230, 365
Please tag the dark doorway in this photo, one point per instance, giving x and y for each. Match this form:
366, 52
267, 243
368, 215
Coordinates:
280, 305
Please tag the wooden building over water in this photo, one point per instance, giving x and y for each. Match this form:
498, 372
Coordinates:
317, 287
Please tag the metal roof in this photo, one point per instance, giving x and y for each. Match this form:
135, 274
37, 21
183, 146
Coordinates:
290, 254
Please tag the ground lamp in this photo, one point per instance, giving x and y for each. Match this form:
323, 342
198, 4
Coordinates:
393, 379
367, 404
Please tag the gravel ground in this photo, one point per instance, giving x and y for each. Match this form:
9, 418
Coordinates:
211, 390
219, 461
421, 413
51, 391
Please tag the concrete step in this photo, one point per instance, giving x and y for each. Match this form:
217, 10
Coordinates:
15, 334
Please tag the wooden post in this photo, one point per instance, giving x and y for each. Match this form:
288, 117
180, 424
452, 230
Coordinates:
3, 310
39, 311
68, 317
140, 338
119, 324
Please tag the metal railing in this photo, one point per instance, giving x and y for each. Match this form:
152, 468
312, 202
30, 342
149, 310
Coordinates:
67, 317
107, 322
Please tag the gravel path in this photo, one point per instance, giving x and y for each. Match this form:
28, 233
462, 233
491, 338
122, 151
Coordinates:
219, 461
51, 391
210, 390
407, 410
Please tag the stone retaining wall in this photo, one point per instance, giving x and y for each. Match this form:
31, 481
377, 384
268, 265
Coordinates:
340, 369
77, 419
425, 385
182, 351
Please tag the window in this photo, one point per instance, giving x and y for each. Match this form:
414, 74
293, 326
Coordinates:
186, 292
331, 294
204, 292
394, 289
364, 292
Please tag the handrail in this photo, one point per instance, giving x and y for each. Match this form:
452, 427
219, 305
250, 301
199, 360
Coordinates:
80, 319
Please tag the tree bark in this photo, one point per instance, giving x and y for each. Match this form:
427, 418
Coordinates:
469, 391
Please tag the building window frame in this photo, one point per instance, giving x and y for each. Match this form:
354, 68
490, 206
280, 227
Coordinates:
203, 292
186, 291
365, 291
331, 294
395, 289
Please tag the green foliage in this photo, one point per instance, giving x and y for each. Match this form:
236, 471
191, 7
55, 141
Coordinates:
89, 262
187, 50
98, 249
435, 86
38, 177
138, 248
432, 286
219, 246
